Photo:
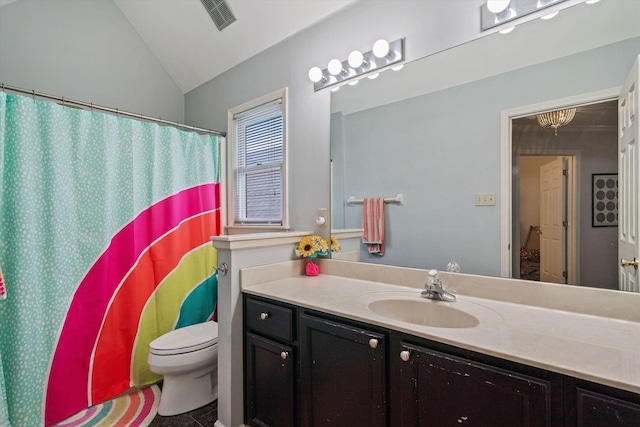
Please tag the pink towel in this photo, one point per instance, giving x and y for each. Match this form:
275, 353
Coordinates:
373, 224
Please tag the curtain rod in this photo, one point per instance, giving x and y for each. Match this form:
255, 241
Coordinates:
107, 109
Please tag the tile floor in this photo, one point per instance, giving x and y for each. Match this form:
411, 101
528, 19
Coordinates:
201, 417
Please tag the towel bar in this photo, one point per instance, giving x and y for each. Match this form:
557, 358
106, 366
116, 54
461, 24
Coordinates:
397, 200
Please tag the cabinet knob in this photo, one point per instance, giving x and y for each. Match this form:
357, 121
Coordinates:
284, 355
405, 355
373, 343
264, 316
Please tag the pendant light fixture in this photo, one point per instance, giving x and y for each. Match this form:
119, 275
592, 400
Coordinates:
556, 119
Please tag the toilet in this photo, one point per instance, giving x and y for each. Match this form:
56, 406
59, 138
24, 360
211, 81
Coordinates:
188, 360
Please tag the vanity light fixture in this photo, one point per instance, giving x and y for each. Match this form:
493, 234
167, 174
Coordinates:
496, 13
556, 119
382, 56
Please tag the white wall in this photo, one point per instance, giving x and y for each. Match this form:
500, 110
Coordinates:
84, 50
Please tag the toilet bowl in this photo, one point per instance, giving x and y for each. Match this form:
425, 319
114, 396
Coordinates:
188, 360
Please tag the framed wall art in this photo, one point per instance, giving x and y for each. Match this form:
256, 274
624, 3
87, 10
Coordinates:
604, 200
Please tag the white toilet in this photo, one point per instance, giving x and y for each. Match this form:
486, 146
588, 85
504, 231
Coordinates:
188, 359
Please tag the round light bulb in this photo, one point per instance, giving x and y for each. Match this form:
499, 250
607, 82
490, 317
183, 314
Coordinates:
398, 67
507, 30
335, 67
315, 74
353, 82
335, 89
356, 59
551, 15
373, 76
381, 48
497, 6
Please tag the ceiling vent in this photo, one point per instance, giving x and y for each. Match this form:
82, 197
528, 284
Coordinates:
220, 12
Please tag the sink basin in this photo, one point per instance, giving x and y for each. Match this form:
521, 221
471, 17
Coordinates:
423, 312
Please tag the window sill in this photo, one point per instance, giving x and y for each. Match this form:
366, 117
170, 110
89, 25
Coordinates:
249, 229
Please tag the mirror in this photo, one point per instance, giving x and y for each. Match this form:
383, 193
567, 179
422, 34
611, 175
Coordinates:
432, 132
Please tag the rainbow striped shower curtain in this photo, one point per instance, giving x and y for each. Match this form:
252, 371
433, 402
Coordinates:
105, 227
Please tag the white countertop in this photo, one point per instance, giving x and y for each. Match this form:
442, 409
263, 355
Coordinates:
576, 342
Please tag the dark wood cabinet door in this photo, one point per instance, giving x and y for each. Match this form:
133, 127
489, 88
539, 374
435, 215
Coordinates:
594, 405
269, 382
342, 375
429, 388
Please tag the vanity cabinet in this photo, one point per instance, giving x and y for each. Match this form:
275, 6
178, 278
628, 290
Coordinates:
269, 364
307, 368
430, 387
304, 369
342, 374
595, 405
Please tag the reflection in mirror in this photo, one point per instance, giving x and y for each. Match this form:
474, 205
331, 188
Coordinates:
432, 133
585, 147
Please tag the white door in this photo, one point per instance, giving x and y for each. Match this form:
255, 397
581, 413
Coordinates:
629, 181
552, 237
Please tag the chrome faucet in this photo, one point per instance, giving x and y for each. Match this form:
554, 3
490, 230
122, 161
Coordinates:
433, 288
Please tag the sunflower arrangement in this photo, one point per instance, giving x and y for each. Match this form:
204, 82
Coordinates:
335, 245
312, 247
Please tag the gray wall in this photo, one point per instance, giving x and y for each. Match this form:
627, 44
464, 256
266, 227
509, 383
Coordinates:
427, 26
439, 149
84, 50
287, 64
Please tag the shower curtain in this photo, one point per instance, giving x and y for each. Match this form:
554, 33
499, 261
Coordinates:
105, 226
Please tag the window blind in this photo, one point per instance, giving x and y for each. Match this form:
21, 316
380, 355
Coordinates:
258, 165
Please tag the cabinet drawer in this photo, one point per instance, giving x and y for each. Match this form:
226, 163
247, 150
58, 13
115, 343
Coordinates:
268, 319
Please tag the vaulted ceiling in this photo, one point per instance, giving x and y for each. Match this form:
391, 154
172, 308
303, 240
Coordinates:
186, 41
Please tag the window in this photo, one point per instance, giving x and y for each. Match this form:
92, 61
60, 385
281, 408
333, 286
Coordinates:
258, 136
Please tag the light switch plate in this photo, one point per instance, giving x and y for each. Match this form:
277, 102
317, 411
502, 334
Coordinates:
322, 213
485, 199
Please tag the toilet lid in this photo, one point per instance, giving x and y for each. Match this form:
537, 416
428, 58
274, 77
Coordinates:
187, 339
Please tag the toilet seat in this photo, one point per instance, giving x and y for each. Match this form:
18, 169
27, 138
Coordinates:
186, 340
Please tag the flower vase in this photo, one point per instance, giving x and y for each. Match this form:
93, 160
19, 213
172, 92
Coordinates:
312, 268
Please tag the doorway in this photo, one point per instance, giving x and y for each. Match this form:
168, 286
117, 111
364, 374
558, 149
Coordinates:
589, 145
559, 261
